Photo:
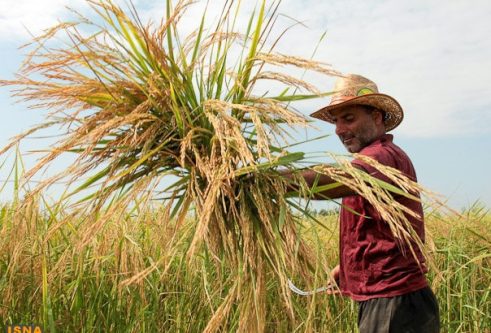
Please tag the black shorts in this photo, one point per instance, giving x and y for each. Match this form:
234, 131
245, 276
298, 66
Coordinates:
414, 312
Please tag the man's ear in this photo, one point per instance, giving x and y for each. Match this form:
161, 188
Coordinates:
378, 116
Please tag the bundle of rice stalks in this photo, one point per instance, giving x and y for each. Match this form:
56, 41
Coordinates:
140, 104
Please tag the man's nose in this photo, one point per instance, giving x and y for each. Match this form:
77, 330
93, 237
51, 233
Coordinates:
340, 129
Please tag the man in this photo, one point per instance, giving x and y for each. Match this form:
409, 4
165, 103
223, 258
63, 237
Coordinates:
390, 285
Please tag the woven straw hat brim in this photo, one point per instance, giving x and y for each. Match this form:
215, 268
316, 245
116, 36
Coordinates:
382, 102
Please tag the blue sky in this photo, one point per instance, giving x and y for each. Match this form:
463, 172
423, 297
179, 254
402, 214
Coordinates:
434, 57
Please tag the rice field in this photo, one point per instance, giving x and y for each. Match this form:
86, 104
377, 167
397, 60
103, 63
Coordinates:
144, 109
50, 276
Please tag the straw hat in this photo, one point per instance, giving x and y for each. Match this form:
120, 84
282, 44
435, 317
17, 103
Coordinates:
355, 89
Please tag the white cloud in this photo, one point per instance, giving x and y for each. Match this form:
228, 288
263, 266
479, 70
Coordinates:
20, 16
433, 56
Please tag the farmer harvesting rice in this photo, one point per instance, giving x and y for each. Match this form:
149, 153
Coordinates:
374, 269
149, 114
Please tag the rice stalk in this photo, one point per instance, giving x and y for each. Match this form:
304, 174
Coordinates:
141, 105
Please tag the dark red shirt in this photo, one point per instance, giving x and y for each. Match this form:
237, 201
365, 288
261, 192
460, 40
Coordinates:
372, 263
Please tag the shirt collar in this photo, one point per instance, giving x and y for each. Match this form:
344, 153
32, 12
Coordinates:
383, 138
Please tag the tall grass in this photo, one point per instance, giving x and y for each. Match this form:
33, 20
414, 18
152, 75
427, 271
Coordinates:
47, 278
138, 104
463, 250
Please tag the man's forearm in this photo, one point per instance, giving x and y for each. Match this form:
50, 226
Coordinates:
314, 179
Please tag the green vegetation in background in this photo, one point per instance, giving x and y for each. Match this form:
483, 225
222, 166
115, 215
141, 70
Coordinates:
137, 104
48, 278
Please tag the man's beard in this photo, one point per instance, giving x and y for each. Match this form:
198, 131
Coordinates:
357, 141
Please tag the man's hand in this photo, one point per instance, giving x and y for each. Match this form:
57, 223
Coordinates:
335, 274
334, 285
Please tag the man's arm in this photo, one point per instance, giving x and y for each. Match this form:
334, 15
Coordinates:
312, 178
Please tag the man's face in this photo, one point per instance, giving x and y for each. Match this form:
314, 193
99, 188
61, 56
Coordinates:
357, 127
